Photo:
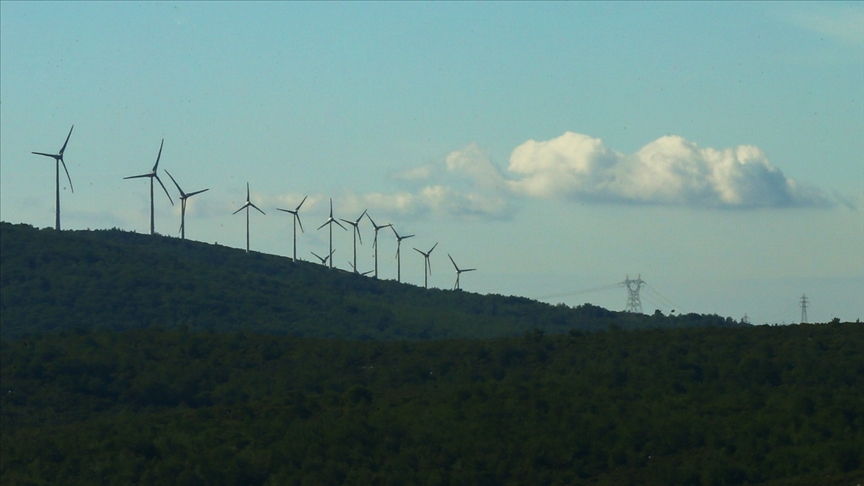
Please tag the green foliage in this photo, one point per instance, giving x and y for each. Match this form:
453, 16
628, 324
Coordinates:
705, 406
110, 279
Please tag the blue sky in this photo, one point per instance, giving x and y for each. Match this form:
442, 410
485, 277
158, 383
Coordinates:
717, 149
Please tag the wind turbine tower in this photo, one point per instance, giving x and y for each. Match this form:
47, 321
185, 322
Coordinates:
427, 267
804, 303
356, 225
58, 159
634, 304
398, 253
246, 207
375, 242
153, 175
330, 222
183, 198
296, 214
458, 271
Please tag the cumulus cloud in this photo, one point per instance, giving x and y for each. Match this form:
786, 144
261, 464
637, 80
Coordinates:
464, 184
573, 166
669, 170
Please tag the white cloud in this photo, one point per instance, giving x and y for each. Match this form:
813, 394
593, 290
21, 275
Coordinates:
669, 170
464, 184
573, 166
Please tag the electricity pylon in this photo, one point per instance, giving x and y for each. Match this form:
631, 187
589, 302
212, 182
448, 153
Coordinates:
634, 305
804, 303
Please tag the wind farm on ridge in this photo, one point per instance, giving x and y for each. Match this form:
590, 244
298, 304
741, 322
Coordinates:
325, 260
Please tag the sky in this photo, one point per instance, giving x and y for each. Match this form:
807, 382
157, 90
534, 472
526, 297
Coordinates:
716, 150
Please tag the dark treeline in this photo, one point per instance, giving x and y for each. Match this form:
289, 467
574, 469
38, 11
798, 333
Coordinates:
132, 359
111, 279
699, 406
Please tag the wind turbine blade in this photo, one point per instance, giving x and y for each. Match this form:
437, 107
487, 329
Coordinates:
420, 252
372, 221
241, 209
301, 203
406, 237
323, 225
196, 192
331, 208
139, 176
163, 188
298, 220
247, 192
349, 222
433, 247
53, 156
469, 269
339, 224
182, 194
357, 230
66, 142
259, 210
454, 263
67, 173
361, 217
159, 157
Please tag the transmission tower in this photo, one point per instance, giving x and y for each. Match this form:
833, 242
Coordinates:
804, 303
634, 305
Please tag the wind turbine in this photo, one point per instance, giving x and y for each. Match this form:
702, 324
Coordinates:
356, 225
426, 265
246, 207
375, 242
367, 272
458, 271
153, 175
324, 259
330, 222
58, 159
183, 198
296, 214
398, 253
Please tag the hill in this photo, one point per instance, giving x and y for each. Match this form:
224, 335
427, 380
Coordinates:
779, 406
111, 279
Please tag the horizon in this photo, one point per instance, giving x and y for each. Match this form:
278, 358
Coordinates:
556, 148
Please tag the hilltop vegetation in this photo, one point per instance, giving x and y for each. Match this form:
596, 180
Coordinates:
707, 406
132, 359
111, 279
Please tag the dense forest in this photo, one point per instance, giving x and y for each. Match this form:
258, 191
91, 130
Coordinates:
699, 406
132, 359
111, 279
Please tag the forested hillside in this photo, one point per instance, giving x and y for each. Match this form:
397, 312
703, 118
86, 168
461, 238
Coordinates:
705, 406
110, 279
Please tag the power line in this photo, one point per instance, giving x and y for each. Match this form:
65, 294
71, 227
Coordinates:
579, 292
651, 289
